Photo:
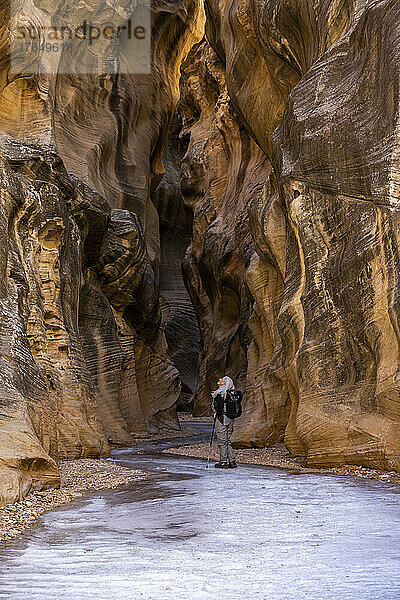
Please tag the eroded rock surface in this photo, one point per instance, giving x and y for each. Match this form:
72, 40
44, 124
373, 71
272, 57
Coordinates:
48, 405
222, 168
287, 198
178, 315
85, 353
314, 83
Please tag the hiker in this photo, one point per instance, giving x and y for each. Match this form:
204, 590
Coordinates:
223, 424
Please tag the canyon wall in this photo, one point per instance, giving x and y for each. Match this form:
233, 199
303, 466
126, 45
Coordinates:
315, 86
84, 359
179, 318
278, 208
223, 168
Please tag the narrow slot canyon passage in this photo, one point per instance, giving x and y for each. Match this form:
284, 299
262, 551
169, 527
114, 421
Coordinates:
208, 189
191, 532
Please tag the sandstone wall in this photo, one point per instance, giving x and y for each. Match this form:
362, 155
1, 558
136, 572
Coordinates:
48, 403
83, 348
221, 170
315, 85
179, 317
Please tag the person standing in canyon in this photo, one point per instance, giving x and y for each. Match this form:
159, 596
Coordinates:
223, 424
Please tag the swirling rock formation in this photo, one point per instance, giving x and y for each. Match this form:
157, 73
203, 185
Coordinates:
48, 405
84, 352
235, 290
120, 125
178, 314
314, 83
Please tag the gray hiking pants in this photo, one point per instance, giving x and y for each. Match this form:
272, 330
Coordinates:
223, 433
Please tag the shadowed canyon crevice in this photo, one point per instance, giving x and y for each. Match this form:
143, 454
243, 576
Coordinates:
232, 212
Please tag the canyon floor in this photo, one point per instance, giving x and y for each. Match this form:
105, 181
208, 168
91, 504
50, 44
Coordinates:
78, 477
186, 531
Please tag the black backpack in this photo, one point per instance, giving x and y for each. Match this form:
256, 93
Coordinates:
233, 404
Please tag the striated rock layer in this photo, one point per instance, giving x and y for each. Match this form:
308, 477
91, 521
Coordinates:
179, 317
314, 83
83, 351
48, 404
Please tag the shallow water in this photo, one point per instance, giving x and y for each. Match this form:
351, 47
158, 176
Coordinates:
191, 533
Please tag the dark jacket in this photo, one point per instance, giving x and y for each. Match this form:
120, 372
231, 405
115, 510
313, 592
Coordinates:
218, 406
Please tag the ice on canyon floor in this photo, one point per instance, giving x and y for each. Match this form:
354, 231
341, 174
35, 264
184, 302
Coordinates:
191, 533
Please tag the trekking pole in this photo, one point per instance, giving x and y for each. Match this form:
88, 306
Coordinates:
212, 435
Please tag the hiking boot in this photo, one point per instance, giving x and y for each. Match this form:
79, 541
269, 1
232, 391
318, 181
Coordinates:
232, 465
221, 465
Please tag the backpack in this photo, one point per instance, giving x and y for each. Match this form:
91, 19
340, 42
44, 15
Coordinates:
233, 404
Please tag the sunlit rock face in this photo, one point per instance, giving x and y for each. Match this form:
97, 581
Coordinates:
316, 85
120, 125
236, 291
